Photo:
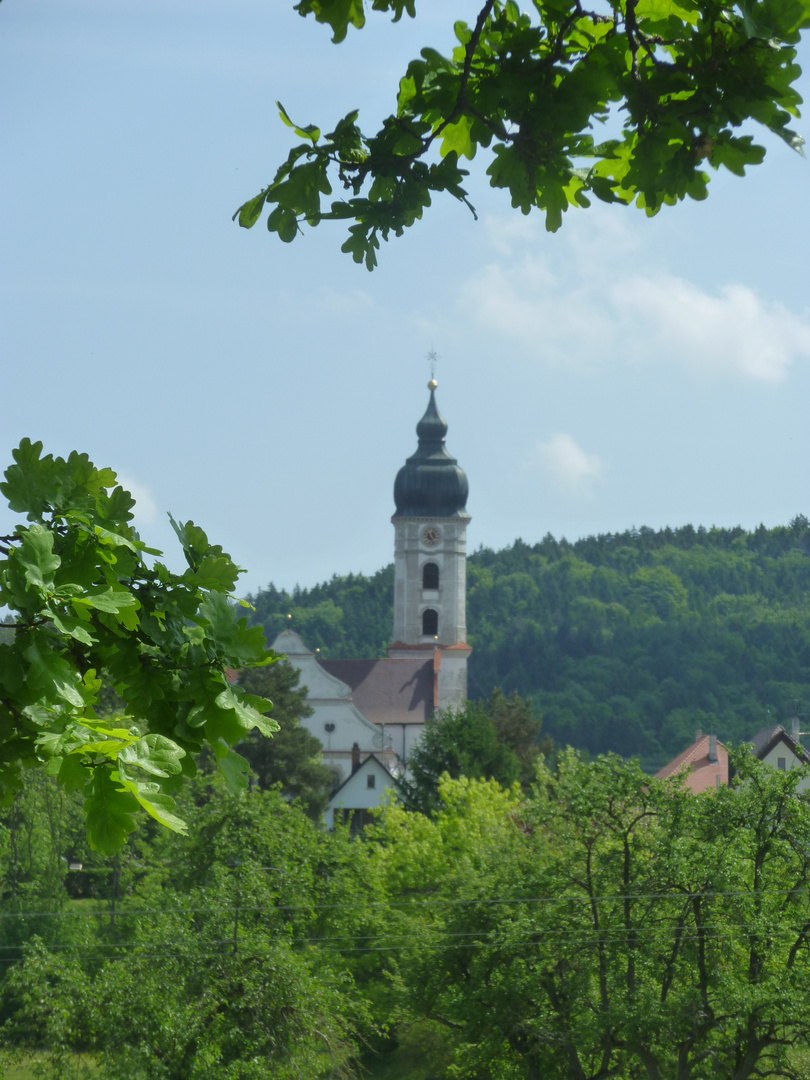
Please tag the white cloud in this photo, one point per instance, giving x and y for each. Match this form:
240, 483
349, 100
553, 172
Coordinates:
588, 303
349, 303
526, 300
145, 510
568, 465
734, 331
508, 232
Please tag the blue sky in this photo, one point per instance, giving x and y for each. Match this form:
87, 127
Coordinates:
622, 372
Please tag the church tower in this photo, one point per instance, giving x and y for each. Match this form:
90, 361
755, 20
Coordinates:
430, 559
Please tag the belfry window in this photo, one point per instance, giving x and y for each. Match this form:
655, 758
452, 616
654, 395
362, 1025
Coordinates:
430, 576
430, 623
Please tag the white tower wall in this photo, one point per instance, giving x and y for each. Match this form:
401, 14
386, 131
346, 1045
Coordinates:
412, 552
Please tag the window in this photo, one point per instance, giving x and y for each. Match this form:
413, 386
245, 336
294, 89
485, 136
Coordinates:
337, 780
430, 576
371, 781
780, 763
430, 622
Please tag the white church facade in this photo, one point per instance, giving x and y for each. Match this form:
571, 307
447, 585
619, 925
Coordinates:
377, 708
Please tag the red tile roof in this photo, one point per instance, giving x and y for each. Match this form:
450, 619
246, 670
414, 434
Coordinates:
703, 774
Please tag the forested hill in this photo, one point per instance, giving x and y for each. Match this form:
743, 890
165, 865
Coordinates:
627, 642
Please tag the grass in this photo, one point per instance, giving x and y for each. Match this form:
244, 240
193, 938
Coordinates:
37, 1066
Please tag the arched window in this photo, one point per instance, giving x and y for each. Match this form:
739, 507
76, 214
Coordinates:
430, 622
430, 576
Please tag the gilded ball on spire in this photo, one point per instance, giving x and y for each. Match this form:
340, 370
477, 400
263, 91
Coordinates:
432, 384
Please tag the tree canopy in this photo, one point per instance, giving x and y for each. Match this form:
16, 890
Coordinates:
607, 926
90, 607
494, 740
201, 956
602, 925
292, 757
669, 83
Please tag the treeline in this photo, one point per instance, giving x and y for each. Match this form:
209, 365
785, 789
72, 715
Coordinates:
625, 642
348, 617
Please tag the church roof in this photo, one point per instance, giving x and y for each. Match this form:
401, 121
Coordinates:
431, 483
388, 691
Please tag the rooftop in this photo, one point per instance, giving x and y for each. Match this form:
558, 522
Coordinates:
388, 691
704, 772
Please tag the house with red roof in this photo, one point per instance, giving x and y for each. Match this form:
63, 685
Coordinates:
704, 765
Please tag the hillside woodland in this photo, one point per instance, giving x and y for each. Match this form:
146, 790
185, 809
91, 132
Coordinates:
625, 642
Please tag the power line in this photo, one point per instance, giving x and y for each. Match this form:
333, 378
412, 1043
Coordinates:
405, 940
170, 949
672, 897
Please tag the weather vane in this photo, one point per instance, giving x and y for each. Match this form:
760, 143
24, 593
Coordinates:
432, 358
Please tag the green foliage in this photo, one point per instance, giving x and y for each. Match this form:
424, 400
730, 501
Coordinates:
292, 758
608, 926
35, 830
630, 642
348, 617
211, 960
518, 727
671, 84
458, 743
497, 740
605, 925
90, 607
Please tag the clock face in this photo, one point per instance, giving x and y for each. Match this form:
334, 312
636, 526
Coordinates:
430, 536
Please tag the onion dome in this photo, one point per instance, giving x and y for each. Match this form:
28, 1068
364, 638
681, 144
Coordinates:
430, 483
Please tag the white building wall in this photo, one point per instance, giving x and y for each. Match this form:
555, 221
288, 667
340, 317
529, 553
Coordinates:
783, 753
335, 721
453, 679
403, 738
356, 794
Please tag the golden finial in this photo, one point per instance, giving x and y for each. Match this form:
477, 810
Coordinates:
432, 358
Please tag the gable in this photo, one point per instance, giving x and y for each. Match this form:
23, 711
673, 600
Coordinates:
320, 685
365, 788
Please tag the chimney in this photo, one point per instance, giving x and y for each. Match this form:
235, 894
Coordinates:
794, 728
355, 757
698, 735
713, 748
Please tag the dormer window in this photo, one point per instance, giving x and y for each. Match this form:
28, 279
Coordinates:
430, 576
430, 623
